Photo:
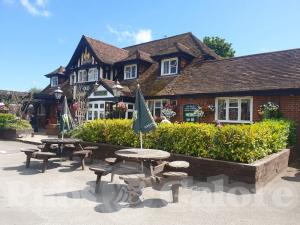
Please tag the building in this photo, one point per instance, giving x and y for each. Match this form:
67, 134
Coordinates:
182, 72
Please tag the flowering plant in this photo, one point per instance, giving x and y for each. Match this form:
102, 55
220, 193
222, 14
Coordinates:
168, 111
212, 108
269, 106
269, 110
121, 106
198, 112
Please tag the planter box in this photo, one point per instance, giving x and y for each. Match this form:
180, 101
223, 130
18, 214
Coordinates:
13, 134
255, 175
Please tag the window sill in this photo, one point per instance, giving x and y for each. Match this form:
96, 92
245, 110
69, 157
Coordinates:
130, 78
169, 75
235, 121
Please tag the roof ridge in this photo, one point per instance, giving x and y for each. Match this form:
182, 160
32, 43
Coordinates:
87, 37
186, 33
251, 55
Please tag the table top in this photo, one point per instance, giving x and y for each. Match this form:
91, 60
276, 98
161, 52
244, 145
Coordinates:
137, 153
61, 141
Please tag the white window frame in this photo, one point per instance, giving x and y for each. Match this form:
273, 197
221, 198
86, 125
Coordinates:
54, 81
161, 101
92, 109
80, 76
93, 74
163, 66
239, 98
129, 110
131, 75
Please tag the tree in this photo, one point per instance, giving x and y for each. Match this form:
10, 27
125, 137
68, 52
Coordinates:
220, 46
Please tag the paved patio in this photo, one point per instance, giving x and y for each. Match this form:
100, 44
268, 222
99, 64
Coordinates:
65, 195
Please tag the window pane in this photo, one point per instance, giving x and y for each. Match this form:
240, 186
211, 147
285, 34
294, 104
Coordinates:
221, 109
166, 67
130, 106
157, 112
233, 103
233, 113
90, 106
157, 104
133, 71
95, 115
102, 106
129, 115
90, 115
245, 109
173, 65
96, 106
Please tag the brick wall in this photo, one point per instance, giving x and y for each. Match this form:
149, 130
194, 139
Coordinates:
288, 105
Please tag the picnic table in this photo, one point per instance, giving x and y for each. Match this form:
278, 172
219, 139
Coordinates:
61, 142
146, 156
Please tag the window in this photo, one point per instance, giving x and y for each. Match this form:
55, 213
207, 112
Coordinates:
235, 109
130, 71
96, 110
156, 106
93, 74
54, 81
169, 66
82, 76
129, 112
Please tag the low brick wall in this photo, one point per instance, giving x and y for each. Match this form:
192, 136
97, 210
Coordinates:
13, 134
256, 174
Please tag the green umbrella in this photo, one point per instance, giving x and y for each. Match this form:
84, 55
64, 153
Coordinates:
66, 120
143, 121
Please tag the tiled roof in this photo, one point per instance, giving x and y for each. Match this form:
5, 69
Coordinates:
105, 52
138, 54
260, 72
59, 71
196, 47
176, 47
65, 87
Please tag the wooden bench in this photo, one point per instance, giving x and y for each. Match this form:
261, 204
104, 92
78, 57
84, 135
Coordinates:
100, 170
175, 176
82, 155
34, 153
135, 184
91, 148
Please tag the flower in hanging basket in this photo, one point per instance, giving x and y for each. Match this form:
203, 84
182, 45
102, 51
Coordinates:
198, 112
121, 106
211, 108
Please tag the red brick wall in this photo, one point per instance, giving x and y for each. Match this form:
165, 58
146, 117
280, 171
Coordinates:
288, 105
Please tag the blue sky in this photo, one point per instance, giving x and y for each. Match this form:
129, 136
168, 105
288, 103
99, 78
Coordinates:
37, 36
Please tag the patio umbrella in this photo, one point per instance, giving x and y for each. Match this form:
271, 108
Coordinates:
66, 121
143, 121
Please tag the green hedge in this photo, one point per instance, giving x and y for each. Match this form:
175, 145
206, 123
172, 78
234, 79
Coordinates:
240, 143
10, 121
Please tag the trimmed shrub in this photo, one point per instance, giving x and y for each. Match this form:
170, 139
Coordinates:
239, 143
10, 121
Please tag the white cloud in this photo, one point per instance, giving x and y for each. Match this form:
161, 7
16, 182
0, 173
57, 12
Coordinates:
38, 8
140, 36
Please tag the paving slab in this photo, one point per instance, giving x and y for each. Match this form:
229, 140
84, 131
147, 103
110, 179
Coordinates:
65, 195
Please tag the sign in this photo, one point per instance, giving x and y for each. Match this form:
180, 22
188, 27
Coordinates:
188, 113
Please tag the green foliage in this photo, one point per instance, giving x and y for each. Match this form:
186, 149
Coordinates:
10, 121
220, 46
240, 143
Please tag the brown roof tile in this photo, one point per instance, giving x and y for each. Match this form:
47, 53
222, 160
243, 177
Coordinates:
105, 52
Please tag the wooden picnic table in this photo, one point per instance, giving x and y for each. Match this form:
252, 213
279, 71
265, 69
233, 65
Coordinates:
146, 156
61, 142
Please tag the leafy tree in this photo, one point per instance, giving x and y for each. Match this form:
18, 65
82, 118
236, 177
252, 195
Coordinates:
220, 46
34, 90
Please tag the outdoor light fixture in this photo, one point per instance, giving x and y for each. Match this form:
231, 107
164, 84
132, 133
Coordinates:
30, 108
117, 88
58, 93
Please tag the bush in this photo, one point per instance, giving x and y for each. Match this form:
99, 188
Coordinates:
10, 121
239, 143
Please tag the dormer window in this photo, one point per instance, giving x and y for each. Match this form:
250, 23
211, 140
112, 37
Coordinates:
54, 81
130, 71
169, 66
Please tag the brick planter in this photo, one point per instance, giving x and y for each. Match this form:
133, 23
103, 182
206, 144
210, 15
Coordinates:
13, 134
256, 174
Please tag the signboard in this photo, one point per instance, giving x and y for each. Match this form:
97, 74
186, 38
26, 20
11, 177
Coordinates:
188, 113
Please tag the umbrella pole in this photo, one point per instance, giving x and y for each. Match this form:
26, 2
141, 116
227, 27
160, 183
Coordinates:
141, 140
